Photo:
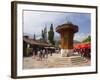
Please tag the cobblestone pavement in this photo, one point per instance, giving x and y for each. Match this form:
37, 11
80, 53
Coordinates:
55, 61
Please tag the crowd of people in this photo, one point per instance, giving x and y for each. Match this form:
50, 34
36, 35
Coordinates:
40, 54
84, 52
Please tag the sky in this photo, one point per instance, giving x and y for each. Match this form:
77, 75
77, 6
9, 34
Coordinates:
35, 21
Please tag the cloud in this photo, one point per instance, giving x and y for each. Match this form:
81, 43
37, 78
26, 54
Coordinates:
35, 21
81, 36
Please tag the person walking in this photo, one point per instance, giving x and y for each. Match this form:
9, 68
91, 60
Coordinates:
43, 53
33, 54
46, 53
39, 55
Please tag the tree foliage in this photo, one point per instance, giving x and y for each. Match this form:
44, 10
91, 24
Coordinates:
88, 39
44, 34
34, 37
51, 35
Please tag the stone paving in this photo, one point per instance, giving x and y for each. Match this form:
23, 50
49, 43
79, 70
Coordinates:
55, 61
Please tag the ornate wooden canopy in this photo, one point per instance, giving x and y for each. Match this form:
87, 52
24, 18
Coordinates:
67, 27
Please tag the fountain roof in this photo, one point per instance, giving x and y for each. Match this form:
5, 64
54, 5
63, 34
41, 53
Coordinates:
67, 27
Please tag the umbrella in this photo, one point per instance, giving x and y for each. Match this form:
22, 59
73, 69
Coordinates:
82, 45
78, 46
86, 45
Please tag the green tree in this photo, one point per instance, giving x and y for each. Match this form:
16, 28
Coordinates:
45, 34
57, 43
42, 34
34, 37
51, 35
88, 39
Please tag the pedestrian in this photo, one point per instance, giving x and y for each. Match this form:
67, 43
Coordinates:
51, 52
39, 54
43, 53
46, 53
33, 54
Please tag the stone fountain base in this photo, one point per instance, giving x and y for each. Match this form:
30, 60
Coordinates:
66, 52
